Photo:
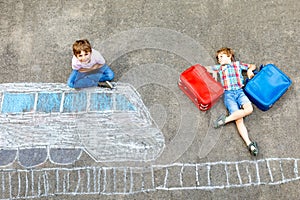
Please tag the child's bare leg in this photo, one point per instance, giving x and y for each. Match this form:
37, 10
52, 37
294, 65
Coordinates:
243, 130
247, 109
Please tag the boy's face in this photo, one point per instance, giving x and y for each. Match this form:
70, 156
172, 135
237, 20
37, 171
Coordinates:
224, 59
84, 57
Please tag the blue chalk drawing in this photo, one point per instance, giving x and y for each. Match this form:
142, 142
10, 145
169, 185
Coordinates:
124, 104
43, 121
48, 102
17, 102
101, 102
75, 102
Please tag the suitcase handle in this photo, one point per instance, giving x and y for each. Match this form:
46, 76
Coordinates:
269, 72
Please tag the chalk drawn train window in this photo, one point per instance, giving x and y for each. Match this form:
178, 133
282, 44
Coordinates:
50, 121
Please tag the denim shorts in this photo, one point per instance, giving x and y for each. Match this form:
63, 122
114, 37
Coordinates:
235, 99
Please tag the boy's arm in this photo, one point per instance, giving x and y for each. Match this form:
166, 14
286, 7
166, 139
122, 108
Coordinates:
95, 66
213, 71
209, 68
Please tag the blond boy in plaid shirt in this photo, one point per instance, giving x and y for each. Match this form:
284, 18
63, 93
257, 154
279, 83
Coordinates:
235, 100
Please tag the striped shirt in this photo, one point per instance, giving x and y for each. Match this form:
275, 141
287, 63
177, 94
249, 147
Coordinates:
231, 74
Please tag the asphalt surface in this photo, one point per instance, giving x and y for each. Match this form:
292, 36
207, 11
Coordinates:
148, 44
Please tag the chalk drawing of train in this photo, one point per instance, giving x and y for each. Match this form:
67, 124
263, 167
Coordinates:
41, 121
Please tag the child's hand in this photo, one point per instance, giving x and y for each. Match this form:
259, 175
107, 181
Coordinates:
250, 73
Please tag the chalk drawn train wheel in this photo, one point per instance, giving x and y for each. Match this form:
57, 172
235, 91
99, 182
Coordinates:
50, 121
31, 157
7, 156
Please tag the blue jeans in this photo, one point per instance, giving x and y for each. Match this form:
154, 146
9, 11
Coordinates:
235, 99
90, 79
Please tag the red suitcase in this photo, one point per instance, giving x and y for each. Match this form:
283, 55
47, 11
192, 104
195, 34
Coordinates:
199, 85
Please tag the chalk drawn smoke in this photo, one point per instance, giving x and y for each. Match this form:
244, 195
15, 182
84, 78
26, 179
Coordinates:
185, 47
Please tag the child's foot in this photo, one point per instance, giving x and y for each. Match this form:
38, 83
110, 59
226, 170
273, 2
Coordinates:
220, 121
106, 84
253, 148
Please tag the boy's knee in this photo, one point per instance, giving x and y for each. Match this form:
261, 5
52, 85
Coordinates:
72, 78
111, 75
71, 86
248, 108
108, 74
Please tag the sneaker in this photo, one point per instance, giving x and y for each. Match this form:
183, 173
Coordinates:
106, 84
220, 121
253, 148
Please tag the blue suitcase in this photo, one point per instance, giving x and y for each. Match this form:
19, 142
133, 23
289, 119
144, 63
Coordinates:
267, 86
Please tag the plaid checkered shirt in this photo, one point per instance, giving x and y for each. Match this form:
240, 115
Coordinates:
231, 74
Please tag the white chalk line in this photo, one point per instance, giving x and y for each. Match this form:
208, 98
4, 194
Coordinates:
46, 182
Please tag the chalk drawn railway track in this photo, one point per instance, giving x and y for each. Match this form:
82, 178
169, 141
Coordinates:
36, 183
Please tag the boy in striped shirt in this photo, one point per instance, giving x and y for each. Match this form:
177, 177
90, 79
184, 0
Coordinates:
235, 100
